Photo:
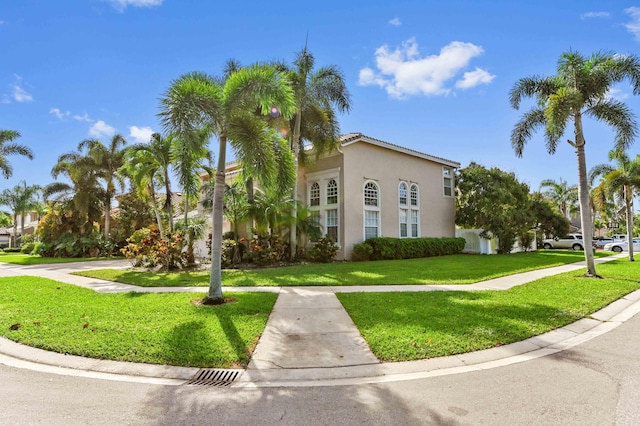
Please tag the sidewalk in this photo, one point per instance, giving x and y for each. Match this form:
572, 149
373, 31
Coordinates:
310, 340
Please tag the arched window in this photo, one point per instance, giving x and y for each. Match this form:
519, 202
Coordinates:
371, 210
314, 194
415, 211
402, 194
332, 192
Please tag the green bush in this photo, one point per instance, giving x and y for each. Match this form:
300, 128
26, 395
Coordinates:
324, 250
361, 252
267, 249
27, 248
12, 250
384, 248
155, 250
39, 248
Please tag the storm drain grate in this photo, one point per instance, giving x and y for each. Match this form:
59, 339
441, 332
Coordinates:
214, 377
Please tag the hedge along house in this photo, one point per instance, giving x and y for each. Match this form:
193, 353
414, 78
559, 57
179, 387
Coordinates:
371, 188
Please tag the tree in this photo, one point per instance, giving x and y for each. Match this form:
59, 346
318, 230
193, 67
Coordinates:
578, 89
107, 160
158, 165
317, 93
226, 107
563, 195
623, 180
21, 199
9, 148
495, 201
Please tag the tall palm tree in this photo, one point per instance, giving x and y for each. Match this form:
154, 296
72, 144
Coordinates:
578, 89
107, 160
226, 106
21, 199
317, 94
623, 180
160, 150
561, 194
7, 147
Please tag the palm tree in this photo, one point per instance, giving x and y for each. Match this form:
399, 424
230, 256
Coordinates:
9, 148
561, 194
83, 196
142, 169
226, 106
21, 199
160, 150
317, 93
623, 180
107, 160
579, 89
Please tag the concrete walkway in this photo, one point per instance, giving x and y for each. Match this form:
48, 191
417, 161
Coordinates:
310, 339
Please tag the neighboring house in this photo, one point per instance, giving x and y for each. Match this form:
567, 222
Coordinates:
31, 220
372, 188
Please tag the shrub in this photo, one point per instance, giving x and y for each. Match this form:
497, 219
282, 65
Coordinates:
232, 252
27, 248
324, 250
267, 249
361, 252
526, 239
409, 248
155, 250
12, 250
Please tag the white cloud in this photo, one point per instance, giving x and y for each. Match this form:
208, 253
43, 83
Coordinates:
100, 128
616, 94
473, 78
634, 26
85, 117
21, 95
59, 114
140, 134
395, 22
121, 5
403, 72
590, 15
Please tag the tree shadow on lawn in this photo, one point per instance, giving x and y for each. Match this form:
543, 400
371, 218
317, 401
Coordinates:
409, 326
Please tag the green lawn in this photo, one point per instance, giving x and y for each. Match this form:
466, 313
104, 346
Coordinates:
151, 328
455, 269
27, 259
410, 326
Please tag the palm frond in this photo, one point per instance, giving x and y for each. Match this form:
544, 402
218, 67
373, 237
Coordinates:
524, 129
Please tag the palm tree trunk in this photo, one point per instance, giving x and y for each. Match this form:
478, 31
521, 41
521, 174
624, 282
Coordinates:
156, 210
583, 199
215, 281
22, 218
107, 218
295, 148
169, 201
628, 200
15, 230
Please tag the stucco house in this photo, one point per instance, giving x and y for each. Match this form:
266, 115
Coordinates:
372, 188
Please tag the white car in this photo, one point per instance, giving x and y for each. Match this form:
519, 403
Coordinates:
623, 246
571, 241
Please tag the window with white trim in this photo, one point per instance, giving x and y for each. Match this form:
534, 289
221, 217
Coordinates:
314, 216
447, 181
314, 194
332, 224
332, 192
403, 223
371, 210
402, 194
415, 211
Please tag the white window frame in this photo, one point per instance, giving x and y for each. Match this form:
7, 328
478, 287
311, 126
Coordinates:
369, 208
414, 208
447, 175
323, 178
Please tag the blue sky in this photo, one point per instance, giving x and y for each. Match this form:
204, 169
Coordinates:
433, 76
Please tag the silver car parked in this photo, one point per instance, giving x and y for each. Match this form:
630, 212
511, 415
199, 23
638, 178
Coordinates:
571, 241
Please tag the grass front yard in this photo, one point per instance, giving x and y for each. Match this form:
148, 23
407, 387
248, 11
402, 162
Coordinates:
454, 269
151, 328
410, 326
27, 259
